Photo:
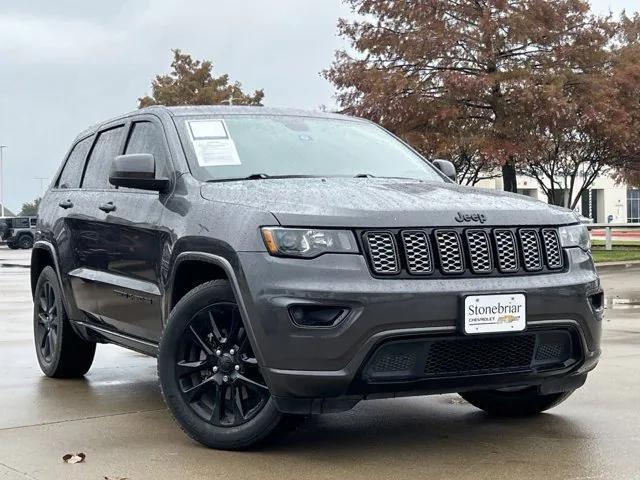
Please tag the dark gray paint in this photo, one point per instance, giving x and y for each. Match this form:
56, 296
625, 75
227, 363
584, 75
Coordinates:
141, 243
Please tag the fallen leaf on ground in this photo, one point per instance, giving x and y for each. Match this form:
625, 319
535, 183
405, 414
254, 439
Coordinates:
74, 458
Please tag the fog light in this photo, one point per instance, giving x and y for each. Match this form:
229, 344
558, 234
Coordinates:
597, 301
317, 316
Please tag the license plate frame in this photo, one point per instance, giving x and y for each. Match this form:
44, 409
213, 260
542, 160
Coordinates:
494, 313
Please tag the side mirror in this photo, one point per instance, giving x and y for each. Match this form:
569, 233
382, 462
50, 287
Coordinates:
136, 170
447, 168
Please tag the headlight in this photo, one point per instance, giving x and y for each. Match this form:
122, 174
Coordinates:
575, 236
307, 242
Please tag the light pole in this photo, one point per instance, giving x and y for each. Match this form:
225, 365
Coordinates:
2, 147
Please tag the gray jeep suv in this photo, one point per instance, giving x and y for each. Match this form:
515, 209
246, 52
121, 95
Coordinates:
282, 263
18, 232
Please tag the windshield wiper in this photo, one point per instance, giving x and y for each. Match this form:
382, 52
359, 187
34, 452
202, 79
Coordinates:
261, 176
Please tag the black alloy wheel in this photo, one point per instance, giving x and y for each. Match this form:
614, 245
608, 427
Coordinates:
210, 377
216, 369
60, 351
49, 321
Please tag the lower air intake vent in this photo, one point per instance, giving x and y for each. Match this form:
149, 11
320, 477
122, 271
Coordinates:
451, 357
473, 356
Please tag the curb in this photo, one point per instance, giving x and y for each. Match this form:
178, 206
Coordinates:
617, 265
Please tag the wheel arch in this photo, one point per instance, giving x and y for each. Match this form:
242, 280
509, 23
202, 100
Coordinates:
213, 265
42, 255
192, 270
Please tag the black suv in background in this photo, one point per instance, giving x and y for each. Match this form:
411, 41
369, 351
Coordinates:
18, 232
283, 263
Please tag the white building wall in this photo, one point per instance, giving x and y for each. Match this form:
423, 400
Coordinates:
610, 197
614, 199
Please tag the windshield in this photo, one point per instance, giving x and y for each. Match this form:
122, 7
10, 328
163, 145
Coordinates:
237, 146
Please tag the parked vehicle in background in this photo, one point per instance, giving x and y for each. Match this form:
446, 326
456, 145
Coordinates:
282, 263
18, 232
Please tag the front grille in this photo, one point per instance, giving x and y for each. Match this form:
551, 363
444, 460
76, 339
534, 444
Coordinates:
482, 355
552, 249
418, 250
383, 252
479, 251
459, 251
450, 251
507, 251
530, 244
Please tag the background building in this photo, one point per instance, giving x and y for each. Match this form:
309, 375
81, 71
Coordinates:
7, 212
605, 198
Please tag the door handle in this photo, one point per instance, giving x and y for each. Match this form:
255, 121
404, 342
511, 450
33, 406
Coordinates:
66, 204
107, 207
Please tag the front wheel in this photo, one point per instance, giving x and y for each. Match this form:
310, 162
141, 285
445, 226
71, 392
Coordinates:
525, 402
209, 376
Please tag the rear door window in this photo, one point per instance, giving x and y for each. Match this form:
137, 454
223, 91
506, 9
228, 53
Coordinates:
72, 171
106, 148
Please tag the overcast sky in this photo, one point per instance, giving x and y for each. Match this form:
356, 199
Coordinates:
67, 64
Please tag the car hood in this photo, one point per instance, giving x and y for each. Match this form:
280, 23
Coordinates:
377, 202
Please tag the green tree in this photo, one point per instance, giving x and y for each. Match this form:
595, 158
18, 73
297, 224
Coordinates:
30, 209
191, 83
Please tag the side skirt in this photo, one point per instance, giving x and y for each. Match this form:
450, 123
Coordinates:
132, 343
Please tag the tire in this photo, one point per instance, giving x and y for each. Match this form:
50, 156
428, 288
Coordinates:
25, 242
205, 333
518, 403
60, 351
13, 246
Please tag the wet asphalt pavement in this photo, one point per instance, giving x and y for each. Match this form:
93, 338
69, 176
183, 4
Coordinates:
116, 417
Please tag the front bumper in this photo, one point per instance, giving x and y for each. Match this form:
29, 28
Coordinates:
310, 365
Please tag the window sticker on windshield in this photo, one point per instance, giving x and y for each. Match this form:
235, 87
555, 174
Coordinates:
212, 143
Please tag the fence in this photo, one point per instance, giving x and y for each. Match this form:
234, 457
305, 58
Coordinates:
609, 228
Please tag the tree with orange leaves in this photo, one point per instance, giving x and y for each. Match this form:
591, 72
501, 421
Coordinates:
468, 80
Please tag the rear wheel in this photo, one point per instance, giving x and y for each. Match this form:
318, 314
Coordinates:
25, 242
209, 376
61, 352
525, 402
13, 246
